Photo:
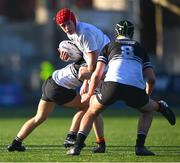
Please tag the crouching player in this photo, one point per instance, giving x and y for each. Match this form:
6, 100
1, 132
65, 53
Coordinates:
59, 89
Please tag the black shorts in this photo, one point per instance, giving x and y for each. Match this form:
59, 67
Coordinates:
52, 92
110, 92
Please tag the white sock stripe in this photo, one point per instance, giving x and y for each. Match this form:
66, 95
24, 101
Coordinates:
18, 139
72, 132
83, 133
142, 132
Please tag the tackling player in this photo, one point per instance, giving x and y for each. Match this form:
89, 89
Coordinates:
59, 89
128, 63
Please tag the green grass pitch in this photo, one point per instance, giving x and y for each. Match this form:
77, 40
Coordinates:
45, 143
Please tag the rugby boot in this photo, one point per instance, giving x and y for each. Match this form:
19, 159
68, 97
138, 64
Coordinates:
101, 148
68, 142
167, 112
143, 151
74, 151
16, 147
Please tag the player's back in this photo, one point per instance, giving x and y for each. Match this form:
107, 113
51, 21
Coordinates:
125, 60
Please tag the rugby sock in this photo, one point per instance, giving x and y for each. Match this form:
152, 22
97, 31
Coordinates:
17, 141
141, 137
81, 137
100, 140
72, 135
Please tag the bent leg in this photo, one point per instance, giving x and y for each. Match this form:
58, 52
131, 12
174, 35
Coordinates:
98, 127
44, 108
162, 107
72, 133
76, 103
93, 111
144, 124
76, 121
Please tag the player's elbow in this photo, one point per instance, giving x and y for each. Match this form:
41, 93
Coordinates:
151, 81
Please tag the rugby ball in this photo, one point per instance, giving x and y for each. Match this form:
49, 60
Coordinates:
73, 52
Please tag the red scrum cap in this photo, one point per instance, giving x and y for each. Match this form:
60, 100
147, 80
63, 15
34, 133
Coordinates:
65, 14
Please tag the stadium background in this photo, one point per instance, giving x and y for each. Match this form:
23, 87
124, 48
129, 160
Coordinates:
29, 39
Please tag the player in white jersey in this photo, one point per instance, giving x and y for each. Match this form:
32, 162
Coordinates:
59, 89
89, 39
127, 63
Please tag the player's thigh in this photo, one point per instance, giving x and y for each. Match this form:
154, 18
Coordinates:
44, 109
95, 106
76, 103
53, 92
137, 97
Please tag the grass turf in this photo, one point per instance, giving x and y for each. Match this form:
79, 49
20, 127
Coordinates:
45, 143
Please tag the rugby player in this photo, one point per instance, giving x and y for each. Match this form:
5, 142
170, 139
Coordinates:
90, 40
128, 64
58, 89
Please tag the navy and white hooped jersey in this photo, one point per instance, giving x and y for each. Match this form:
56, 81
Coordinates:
88, 38
68, 76
126, 60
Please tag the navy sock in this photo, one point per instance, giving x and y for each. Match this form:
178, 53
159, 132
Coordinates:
81, 137
140, 140
72, 135
17, 141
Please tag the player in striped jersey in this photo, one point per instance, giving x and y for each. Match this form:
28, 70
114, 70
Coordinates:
59, 89
128, 64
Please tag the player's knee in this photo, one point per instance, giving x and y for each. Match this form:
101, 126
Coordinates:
93, 111
39, 119
84, 106
149, 107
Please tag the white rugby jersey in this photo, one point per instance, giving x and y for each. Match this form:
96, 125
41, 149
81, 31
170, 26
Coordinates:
126, 61
88, 38
67, 77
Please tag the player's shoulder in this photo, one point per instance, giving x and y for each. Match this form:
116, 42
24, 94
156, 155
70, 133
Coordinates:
110, 46
113, 44
139, 46
136, 43
130, 42
84, 28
